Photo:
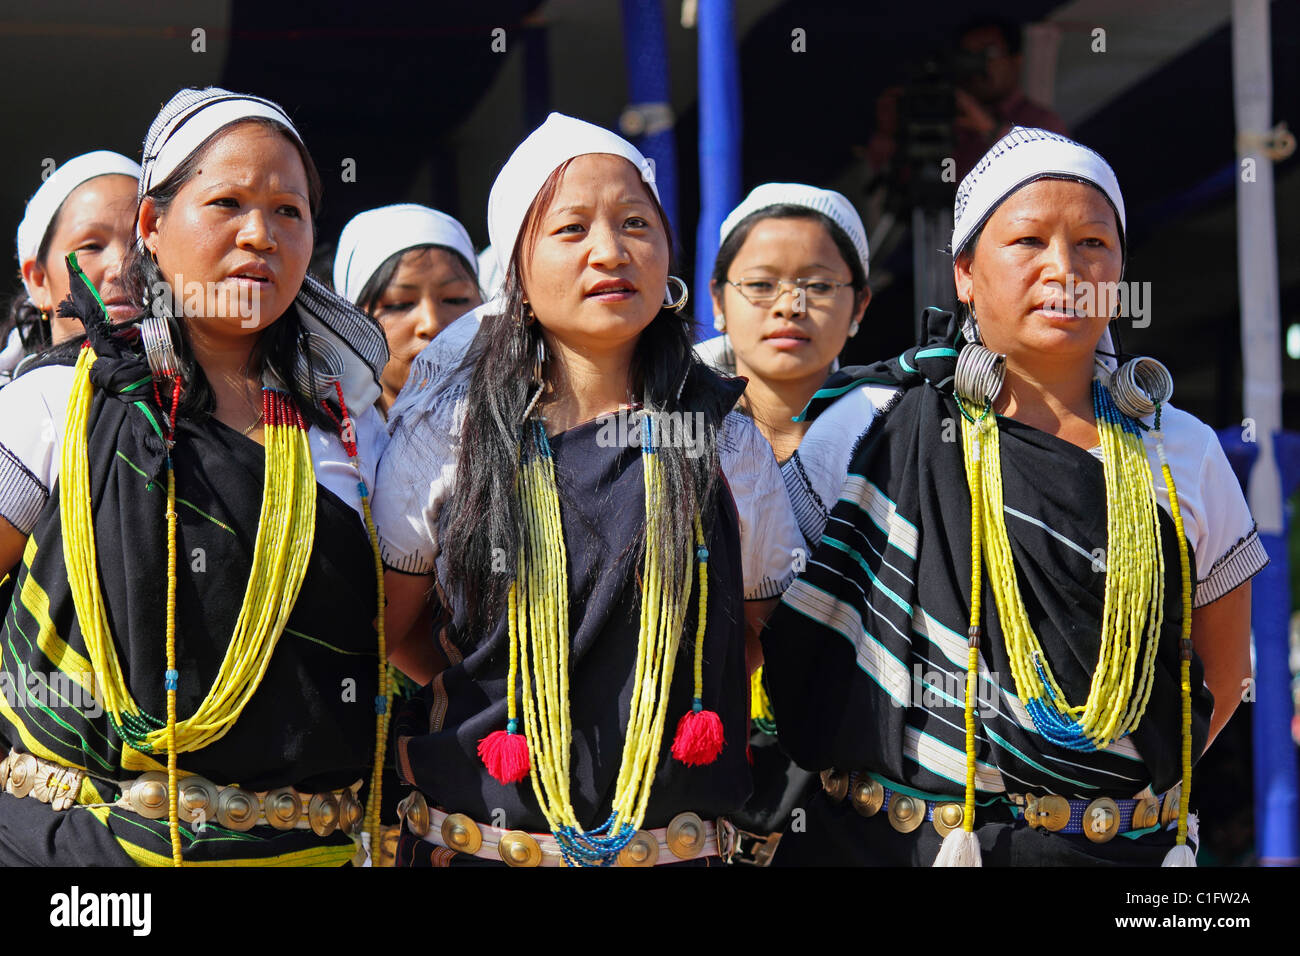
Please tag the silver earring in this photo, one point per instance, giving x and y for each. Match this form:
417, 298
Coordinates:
853, 329
680, 302
970, 325
159, 351
539, 362
156, 331
980, 374
1139, 385
318, 367
719, 321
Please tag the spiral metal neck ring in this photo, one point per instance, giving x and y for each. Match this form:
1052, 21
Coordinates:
319, 367
1139, 385
979, 375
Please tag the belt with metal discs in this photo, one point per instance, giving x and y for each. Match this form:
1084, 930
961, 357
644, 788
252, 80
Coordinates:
1100, 820
686, 837
199, 801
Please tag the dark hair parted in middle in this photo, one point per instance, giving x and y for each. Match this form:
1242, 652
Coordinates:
484, 514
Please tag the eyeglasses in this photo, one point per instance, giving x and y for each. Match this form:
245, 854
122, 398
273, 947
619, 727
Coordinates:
764, 291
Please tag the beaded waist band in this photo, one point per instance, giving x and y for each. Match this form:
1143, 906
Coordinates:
686, 837
199, 801
1100, 820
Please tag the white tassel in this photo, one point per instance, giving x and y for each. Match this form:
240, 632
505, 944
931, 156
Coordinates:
959, 849
1184, 855
1181, 855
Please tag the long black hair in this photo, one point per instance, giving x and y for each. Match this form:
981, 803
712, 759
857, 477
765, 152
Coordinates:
484, 513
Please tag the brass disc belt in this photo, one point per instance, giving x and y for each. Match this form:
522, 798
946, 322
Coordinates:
1100, 820
199, 801
686, 837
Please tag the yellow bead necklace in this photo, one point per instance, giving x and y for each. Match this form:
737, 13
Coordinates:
1133, 606
538, 626
281, 551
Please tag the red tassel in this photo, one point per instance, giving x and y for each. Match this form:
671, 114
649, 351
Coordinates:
505, 755
699, 738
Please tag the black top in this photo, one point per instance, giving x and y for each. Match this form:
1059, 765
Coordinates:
311, 723
602, 510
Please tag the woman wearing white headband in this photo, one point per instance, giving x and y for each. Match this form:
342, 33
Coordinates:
411, 268
186, 519
1030, 610
789, 289
87, 206
596, 579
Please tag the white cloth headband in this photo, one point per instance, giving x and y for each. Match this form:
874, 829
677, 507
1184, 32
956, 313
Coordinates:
189, 118
829, 203
491, 274
548, 147
1023, 155
371, 237
45, 202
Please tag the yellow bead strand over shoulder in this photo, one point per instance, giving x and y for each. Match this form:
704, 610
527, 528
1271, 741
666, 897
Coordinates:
961, 847
383, 696
173, 810
1177, 857
286, 529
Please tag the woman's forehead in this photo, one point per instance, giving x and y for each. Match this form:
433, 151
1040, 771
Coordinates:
427, 262
102, 196
250, 152
1055, 199
597, 177
785, 237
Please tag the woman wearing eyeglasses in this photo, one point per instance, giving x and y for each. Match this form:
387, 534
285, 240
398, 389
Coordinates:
789, 289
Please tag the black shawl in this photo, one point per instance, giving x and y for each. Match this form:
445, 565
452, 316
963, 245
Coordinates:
866, 656
311, 722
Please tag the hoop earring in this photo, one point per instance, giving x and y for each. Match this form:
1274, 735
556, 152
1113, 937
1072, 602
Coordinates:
1139, 385
317, 367
720, 322
680, 302
529, 315
979, 375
